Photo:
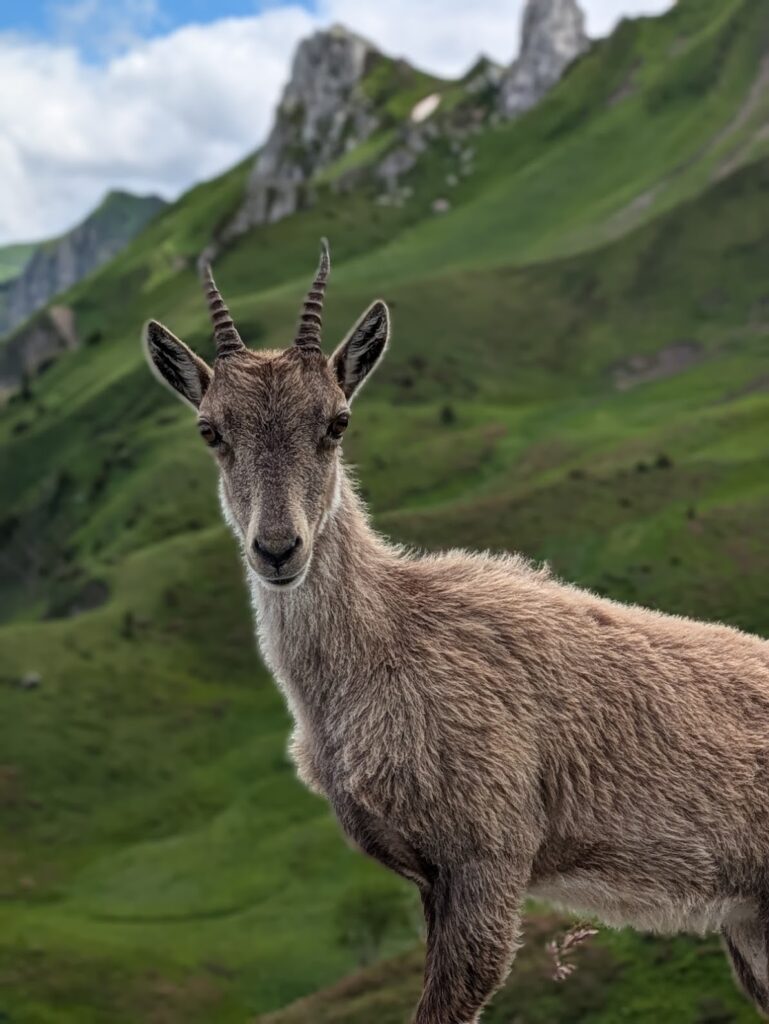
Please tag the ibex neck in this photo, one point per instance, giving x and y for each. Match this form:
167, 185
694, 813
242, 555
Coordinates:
312, 637
348, 558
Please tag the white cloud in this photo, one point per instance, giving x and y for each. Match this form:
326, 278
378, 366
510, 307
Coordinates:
603, 15
167, 112
445, 36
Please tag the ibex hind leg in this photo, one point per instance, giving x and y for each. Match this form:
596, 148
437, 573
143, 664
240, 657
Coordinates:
747, 945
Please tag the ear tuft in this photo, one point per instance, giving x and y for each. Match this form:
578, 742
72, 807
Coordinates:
175, 364
362, 349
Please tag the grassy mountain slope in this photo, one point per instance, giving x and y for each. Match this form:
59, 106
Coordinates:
621, 977
13, 258
646, 119
570, 376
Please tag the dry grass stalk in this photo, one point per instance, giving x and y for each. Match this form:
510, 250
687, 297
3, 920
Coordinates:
562, 949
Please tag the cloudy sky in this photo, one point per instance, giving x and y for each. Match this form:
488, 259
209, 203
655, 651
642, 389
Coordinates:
154, 95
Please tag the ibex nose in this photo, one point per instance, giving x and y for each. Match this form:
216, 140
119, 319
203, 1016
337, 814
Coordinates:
274, 551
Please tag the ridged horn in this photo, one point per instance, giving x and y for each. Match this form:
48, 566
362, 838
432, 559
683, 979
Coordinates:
226, 335
311, 318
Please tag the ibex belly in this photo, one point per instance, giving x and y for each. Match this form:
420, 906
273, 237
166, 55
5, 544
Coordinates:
644, 908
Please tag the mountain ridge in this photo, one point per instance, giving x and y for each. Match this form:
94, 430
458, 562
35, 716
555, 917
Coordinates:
51, 267
339, 95
56, 264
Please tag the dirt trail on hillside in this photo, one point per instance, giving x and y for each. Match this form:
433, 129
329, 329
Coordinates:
628, 216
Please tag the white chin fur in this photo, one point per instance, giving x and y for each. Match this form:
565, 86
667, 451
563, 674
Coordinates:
280, 588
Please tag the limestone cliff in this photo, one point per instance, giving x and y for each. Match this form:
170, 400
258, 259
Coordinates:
323, 113
552, 37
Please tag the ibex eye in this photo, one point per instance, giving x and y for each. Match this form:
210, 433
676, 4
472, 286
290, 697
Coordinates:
209, 434
338, 425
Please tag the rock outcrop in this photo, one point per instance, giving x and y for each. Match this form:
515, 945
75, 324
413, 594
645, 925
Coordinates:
62, 262
553, 35
34, 346
428, 123
322, 114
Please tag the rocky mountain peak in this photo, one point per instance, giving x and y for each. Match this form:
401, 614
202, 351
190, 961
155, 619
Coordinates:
340, 92
552, 36
61, 262
323, 113
326, 69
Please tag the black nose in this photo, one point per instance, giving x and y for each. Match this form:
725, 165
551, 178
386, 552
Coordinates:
273, 553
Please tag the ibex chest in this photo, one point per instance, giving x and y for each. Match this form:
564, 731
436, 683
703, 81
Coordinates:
305, 669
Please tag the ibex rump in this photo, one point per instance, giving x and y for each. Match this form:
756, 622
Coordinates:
478, 726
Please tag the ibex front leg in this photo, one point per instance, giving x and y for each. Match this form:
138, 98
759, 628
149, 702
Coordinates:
473, 919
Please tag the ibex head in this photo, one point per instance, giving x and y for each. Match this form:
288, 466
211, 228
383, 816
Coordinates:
274, 421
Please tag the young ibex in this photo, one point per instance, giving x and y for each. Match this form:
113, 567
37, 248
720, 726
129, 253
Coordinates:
477, 726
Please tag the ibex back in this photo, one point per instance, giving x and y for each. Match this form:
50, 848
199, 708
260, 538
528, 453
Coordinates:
476, 725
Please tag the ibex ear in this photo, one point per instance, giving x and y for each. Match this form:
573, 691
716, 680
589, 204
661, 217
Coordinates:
176, 365
362, 349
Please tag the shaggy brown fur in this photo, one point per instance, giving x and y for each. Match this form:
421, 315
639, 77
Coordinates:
476, 725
